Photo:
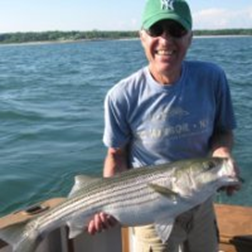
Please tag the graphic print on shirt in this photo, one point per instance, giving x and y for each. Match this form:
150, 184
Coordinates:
174, 123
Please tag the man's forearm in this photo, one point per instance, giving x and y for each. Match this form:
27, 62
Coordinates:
222, 144
115, 162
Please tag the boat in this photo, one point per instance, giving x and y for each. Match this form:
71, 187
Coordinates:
234, 222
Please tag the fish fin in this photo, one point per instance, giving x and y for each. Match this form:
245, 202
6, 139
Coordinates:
74, 232
82, 181
164, 229
16, 238
76, 227
164, 191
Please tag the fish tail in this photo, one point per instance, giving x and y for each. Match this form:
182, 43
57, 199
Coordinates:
18, 239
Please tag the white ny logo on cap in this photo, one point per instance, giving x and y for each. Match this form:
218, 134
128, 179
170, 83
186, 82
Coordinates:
167, 4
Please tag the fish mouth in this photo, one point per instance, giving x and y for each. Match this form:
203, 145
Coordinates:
232, 181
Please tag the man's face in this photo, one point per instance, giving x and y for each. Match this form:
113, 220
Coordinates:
165, 45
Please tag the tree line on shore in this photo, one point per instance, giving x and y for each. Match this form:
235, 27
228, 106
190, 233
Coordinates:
59, 36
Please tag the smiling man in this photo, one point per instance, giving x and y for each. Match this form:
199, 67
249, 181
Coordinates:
171, 109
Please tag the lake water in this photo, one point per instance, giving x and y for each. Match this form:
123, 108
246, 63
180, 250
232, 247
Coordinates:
51, 110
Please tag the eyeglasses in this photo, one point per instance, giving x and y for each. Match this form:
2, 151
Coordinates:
174, 29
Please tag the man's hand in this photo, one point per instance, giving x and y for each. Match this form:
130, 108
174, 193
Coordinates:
115, 162
101, 221
221, 146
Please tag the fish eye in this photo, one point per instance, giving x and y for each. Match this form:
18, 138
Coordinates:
209, 165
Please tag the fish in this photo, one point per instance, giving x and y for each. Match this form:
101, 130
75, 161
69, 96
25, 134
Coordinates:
149, 195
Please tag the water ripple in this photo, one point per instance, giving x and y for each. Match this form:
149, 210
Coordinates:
51, 110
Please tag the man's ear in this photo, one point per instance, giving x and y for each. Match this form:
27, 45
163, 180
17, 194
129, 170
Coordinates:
142, 36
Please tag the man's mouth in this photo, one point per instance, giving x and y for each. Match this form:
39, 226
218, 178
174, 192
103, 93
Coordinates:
165, 52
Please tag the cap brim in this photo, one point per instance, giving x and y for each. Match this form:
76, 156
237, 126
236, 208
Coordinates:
151, 21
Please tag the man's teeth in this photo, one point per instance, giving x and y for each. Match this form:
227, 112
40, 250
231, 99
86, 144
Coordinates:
164, 52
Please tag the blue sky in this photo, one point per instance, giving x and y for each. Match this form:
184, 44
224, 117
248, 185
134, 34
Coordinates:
45, 15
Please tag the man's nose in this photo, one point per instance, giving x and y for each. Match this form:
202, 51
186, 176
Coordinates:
166, 35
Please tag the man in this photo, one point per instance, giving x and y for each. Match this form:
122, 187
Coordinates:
170, 110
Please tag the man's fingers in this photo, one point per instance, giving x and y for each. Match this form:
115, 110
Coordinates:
100, 222
91, 227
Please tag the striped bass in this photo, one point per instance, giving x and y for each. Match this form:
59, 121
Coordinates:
154, 194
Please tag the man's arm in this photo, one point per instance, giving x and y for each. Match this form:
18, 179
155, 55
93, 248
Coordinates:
115, 162
221, 146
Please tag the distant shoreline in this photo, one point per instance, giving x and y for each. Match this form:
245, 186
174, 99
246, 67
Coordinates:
221, 36
97, 40
49, 37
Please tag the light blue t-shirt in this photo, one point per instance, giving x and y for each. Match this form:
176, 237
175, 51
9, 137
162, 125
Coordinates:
164, 123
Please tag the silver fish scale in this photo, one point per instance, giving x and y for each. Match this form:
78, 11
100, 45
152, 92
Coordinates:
136, 197
129, 189
117, 194
94, 197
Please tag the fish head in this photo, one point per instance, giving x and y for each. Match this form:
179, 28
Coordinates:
228, 173
203, 175
218, 171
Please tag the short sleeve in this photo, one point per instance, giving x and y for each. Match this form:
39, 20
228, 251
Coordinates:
116, 130
225, 118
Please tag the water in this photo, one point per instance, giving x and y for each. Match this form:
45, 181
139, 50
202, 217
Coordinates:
51, 110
